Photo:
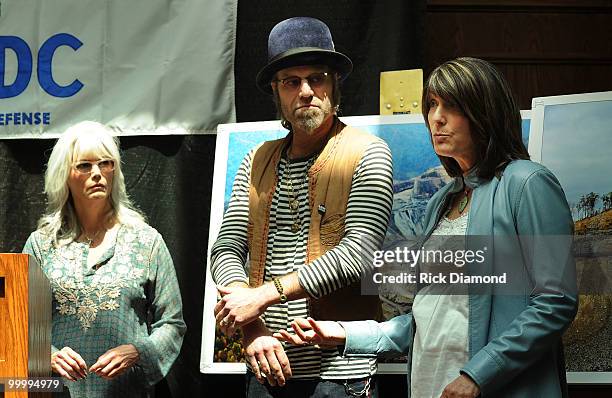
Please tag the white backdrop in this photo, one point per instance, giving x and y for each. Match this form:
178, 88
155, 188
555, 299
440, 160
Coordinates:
139, 66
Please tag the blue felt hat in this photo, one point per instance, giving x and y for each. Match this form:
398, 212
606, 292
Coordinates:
301, 41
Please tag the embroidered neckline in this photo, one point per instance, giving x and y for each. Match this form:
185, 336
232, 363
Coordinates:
84, 295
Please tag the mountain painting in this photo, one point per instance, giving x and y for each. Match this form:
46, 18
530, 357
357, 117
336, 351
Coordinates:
417, 176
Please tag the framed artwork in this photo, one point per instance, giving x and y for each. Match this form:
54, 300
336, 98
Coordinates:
572, 136
417, 175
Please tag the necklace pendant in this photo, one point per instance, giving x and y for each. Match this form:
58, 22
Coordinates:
294, 204
463, 204
295, 227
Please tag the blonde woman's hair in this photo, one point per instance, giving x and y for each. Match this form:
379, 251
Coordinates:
60, 220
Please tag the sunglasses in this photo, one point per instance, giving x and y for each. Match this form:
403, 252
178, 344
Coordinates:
86, 167
315, 80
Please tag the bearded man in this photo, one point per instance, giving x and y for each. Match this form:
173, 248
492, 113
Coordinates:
305, 210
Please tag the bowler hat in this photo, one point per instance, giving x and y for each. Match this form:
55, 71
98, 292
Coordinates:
301, 41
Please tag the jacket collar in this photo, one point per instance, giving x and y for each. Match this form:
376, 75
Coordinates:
471, 180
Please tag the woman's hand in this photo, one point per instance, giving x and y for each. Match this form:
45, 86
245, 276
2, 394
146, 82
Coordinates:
115, 361
309, 331
69, 364
462, 387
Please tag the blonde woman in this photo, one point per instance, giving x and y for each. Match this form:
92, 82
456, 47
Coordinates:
117, 311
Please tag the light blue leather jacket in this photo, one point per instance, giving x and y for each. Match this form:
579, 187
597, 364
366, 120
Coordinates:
514, 340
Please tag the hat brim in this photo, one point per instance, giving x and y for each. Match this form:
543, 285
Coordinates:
303, 56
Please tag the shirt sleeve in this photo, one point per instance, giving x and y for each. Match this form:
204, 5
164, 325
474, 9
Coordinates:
367, 216
160, 349
383, 339
229, 252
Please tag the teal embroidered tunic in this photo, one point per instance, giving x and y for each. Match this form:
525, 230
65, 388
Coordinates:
131, 297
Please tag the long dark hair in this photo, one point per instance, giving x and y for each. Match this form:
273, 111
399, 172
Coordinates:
482, 94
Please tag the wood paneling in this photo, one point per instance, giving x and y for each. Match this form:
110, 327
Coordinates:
515, 6
25, 321
14, 318
543, 47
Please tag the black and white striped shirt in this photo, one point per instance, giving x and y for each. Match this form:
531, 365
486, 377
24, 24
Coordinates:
367, 215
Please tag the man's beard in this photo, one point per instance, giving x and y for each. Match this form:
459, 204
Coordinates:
311, 119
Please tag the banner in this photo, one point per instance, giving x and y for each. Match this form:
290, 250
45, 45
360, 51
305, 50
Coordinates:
142, 67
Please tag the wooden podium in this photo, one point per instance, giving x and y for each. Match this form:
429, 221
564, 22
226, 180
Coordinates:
25, 320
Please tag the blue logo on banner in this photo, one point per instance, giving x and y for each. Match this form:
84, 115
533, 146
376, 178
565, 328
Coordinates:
44, 69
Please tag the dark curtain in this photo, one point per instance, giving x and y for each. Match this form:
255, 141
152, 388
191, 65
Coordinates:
378, 36
170, 177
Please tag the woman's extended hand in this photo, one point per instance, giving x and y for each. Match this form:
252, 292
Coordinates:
115, 361
69, 364
309, 331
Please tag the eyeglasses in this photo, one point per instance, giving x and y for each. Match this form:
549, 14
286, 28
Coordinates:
86, 167
315, 80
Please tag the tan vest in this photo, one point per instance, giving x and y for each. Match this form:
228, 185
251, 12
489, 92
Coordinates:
329, 183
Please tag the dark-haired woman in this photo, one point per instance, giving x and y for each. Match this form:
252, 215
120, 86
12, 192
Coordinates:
482, 342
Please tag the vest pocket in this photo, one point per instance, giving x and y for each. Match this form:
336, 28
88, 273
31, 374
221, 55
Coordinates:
332, 230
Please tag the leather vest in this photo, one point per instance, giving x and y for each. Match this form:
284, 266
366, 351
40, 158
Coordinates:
329, 185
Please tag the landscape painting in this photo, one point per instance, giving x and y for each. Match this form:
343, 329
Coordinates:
572, 136
417, 175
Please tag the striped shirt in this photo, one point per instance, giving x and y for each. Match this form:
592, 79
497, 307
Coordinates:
367, 216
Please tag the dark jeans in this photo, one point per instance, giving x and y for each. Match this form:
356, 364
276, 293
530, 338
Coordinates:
313, 388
